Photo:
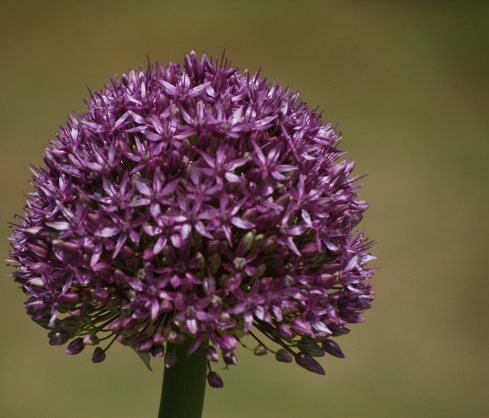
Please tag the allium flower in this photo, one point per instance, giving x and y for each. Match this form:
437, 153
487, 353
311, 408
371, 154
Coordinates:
195, 202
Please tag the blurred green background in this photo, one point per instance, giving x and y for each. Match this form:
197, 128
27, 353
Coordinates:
409, 82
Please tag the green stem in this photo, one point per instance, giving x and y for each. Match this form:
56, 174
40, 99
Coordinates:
184, 383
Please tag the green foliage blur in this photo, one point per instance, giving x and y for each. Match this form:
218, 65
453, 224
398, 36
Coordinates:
409, 82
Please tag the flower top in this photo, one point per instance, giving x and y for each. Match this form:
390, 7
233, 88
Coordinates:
195, 202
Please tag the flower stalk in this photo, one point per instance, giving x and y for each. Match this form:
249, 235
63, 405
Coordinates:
183, 391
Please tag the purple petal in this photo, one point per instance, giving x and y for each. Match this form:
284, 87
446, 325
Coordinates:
59, 225
242, 223
108, 232
300, 326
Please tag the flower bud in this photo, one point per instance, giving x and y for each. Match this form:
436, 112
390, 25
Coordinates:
91, 339
214, 380
170, 359
158, 338
175, 338
71, 246
284, 331
103, 295
71, 298
214, 262
248, 240
230, 358
309, 250
332, 347
127, 252
227, 343
283, 356
213, 246
123, 339
84, 319
129, 322
158, 350
36, 232
116, 326
250, 214
300, 326
175, 161
148, 254
44, 321
58, 337
310, 347
75, 347
260, 350
352, 318
69, 325
211, 354
209, 285
306, 361
145, 346
98, 355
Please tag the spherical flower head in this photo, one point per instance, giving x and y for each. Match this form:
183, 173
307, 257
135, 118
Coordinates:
195, 202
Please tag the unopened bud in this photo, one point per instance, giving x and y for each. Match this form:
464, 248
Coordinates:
176, 338
129, 322
44, 321
69, 325
85, 319
158, 338
157, 350
300, 326
98, 355
230, 358
283, 356
284, 331
260, 350
310, 347
200, 259
306, 361
209, 285
71, 246
103, 296
338, 330
58, 337
214, 380
211, 354
332, 347
227, 343
36, 232
170, 359
127, 252
175, 161
116, 326
71, 298
248, 241
148, 254
123, 339
146, 345
91, 339
309, 250
213, 246
75, 347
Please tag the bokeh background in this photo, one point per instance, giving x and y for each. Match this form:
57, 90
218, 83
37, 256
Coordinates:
409, 82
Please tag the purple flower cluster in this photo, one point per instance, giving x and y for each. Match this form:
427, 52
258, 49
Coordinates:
195, 202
